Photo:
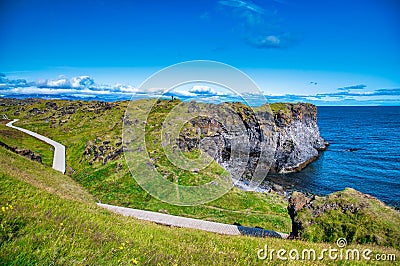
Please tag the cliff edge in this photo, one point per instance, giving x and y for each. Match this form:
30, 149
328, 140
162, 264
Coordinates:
297, 136
287, 132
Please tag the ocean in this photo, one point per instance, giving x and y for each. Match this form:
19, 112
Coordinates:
364, 154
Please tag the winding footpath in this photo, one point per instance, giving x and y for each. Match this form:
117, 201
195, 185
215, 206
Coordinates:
59, 149
179, 221
160, 218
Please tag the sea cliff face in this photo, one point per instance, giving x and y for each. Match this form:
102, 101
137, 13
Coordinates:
282, 138
298, 139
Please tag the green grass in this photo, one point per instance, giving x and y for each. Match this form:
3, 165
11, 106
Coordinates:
42, 177
15, 138
284, 107
164, 166
48, 219
112, 183
288, 108
353, 215
247, 208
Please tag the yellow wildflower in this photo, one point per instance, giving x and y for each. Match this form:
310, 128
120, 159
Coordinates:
134, 261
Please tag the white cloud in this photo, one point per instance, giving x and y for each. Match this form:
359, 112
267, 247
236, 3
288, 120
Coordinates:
86, 87
54, 91
182, 93
201, 89
151, 91
260, 27
80, 82
58, 83
271, 40
241, 4
122, 88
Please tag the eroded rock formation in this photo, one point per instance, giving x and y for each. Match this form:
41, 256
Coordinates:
288, 136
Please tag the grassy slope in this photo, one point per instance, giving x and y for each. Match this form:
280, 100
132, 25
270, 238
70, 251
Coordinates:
113, 183
357, 217
65, 227
15, 138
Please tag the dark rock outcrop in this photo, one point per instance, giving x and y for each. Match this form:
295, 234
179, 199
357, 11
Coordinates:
102, 151
24, 152
297, 202
233, 134
51, 105
289, 135
298, 138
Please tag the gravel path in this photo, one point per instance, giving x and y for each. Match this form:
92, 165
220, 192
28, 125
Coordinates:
178, 221
59, 149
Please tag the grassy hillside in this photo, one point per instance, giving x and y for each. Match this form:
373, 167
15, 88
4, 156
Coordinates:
86, 128
91, 132
48, 219
15, 138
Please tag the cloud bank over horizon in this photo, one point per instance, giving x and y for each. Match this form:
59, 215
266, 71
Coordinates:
86, 88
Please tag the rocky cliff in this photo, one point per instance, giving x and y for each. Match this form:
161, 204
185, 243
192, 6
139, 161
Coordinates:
282, 138
297, 136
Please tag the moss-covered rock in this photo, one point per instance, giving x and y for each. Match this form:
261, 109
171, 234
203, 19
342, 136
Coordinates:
350, 214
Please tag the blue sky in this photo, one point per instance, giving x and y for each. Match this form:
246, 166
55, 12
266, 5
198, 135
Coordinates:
327, 52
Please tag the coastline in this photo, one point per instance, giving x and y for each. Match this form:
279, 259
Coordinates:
299, 180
